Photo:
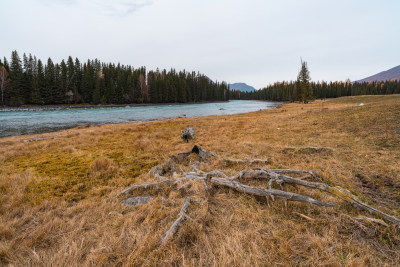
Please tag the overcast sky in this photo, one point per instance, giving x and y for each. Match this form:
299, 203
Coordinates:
253, 41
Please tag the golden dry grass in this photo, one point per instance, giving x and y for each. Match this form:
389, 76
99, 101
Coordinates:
57, 207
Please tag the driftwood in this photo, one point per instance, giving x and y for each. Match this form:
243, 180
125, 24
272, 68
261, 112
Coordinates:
188, 176
309, 149
175, 226
356, 222
371, 220
335, 190
209, 177
266, 192
280, 179
246, 160
219, 179
290, 171
146, 186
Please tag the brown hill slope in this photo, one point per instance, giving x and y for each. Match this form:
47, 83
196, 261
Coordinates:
388, 75
57, 204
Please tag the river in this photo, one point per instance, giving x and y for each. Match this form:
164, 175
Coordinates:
43, 119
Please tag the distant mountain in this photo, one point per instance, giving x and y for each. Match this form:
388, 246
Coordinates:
386, 75
241, 87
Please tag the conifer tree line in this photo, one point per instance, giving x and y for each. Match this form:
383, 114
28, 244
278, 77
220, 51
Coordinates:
304, 90
287, 90
30, 81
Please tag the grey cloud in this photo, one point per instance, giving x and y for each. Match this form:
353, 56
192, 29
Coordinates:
58, 2
122, 8
119, 8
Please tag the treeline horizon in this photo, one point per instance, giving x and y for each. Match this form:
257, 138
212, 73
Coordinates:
287, 90
28, 81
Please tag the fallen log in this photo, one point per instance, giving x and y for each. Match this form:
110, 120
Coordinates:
175, 226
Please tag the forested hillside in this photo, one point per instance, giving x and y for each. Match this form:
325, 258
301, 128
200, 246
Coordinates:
287, 91
30, 81
243, 87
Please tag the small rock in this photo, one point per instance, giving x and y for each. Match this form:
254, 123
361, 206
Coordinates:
136, 201
362, 104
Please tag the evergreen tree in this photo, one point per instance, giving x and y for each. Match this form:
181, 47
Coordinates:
16, 77
6, 65
38, 84
303, 83
50, 83
65, 83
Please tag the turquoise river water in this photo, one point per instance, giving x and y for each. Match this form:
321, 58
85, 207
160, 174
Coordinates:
19, 121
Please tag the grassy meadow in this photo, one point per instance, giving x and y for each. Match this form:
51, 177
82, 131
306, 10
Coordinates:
57, 204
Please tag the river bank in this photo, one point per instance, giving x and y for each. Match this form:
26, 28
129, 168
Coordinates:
39, 120
73, 106
58, 207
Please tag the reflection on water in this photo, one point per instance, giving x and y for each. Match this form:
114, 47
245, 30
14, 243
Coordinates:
39, 120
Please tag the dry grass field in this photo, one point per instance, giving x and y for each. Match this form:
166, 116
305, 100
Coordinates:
57, 205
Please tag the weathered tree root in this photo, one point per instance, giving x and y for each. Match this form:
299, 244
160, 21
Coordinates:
371, 220
290, 171
184, 157
169, 167
266, 192
246, 160
209, 177
220, 179
175, 226
335, 190
189, 176
309, 149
